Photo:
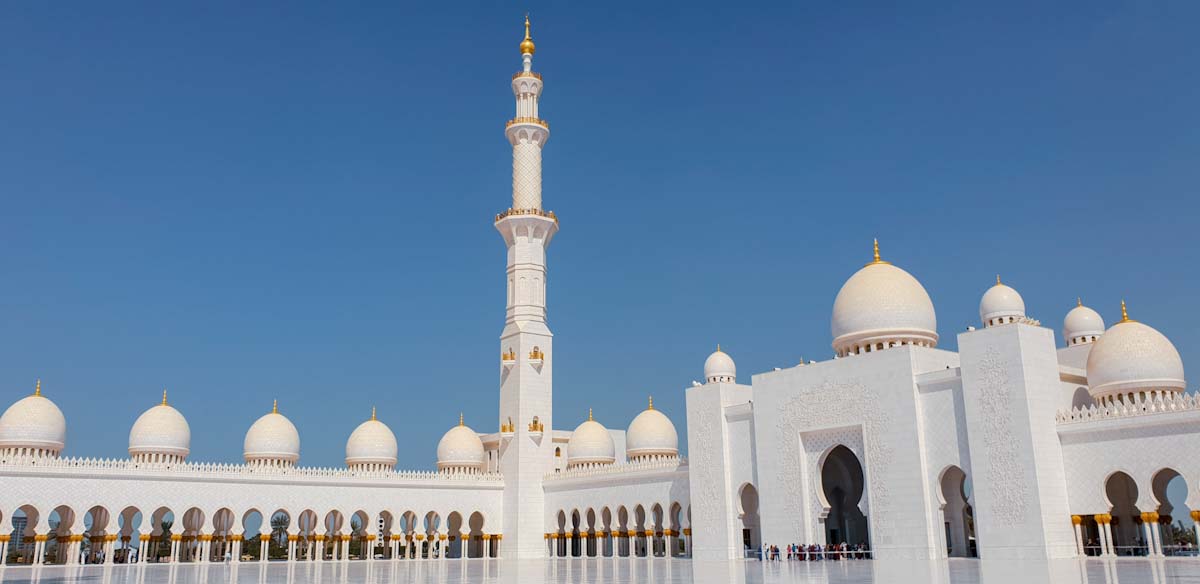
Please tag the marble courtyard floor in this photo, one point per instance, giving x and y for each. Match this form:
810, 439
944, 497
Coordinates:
604, 570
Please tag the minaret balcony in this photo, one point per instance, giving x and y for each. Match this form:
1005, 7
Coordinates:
520, 74
524, 121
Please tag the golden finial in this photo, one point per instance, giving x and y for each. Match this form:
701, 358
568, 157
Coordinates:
718, 347
37, 389
1125, 313
1079, 301
373, 418
651, 406
590, 415
164, 397
527, 47
460, 419
877, 259
997, 279
275, 407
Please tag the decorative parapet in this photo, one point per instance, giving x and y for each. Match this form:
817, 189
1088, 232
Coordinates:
126, 468
654, 465
516, 212
1158, 403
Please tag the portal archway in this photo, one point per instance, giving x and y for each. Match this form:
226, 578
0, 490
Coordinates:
748, 513
1122, 493
957, 514
842, 485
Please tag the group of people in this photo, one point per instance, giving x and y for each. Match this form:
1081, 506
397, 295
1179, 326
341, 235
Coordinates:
815, 552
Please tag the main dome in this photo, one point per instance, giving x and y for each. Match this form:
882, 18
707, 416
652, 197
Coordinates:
160, 434
590, 443
1001, 304
33, 425
372, 443
272, 439
882, 306
460, 449
651, 434
1133, 358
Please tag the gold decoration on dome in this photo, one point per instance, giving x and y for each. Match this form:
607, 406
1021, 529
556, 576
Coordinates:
651, 406
1079, 301
1125, 314
275, 406
998, 280
590, 415
877, 259
460, 419
164, 402
37, 388
527, 47
373, 418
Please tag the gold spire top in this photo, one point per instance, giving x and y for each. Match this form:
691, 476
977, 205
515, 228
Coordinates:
460, 419
1125, 314
651, 406
37, 389
590, 415
164, 397
373, 418
997, 279
527, 47
877, 259
1079, 301
718, 347
275, 407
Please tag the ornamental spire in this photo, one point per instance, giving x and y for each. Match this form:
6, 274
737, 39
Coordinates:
590, 415
275, 406
997, 279
1124, 313
373, 413
164, 402
877, 259
1079, 301
37, 389
460, 419
651, 406
527, 47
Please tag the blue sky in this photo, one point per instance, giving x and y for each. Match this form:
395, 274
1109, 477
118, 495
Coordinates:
294, 200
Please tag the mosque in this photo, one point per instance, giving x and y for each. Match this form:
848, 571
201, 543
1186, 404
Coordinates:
1011, 447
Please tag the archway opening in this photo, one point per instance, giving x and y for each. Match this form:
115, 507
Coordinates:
1174, 516
252, 523
748, 512
1122, 493
843, 486
957, 514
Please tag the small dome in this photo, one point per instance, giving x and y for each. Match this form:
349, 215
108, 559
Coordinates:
1082, 325
460, 448
160, 430
272, 438
881, 306
719, 368
1001, 305
371, 443
34, 423
590, 443
1133, 358
651, 434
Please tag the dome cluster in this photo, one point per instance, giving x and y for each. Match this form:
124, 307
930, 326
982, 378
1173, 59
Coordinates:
651, 435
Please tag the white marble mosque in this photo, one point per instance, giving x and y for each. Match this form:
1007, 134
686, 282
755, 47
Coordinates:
1018, 446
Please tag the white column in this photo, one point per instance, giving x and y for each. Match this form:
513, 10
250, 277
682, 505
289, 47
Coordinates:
1148, 530
1110, 545
1156, 542
1076, 521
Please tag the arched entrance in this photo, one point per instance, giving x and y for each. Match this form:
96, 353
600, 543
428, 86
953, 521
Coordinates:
957, 514
1122, 493
1174, 516
842, 486
748, 512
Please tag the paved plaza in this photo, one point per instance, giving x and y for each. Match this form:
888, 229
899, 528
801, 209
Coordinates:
600, 571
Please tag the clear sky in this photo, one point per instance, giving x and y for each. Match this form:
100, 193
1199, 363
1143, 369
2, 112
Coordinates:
243, 202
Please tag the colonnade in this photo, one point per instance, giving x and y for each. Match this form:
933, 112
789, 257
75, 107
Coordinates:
619, 543
1151, 526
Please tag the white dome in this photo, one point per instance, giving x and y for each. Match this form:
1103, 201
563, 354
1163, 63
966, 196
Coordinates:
272, 437
590, 443
1082, 325
160, 430
372, 442
651, 434
34, 422
882, 305
460, 448
719, 368
1000, 304
1131, 358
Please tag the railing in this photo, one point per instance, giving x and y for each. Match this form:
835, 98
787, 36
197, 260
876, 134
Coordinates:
538, 212
1160, 403
806, 555
523, 120
519, 74
233, 471
602, 470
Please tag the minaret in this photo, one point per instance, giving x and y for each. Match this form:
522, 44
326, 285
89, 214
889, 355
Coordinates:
526, 362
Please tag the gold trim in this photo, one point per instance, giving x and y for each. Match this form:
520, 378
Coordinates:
877, 259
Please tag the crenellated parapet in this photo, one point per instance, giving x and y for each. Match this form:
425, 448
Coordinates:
654, 464
1151, 404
